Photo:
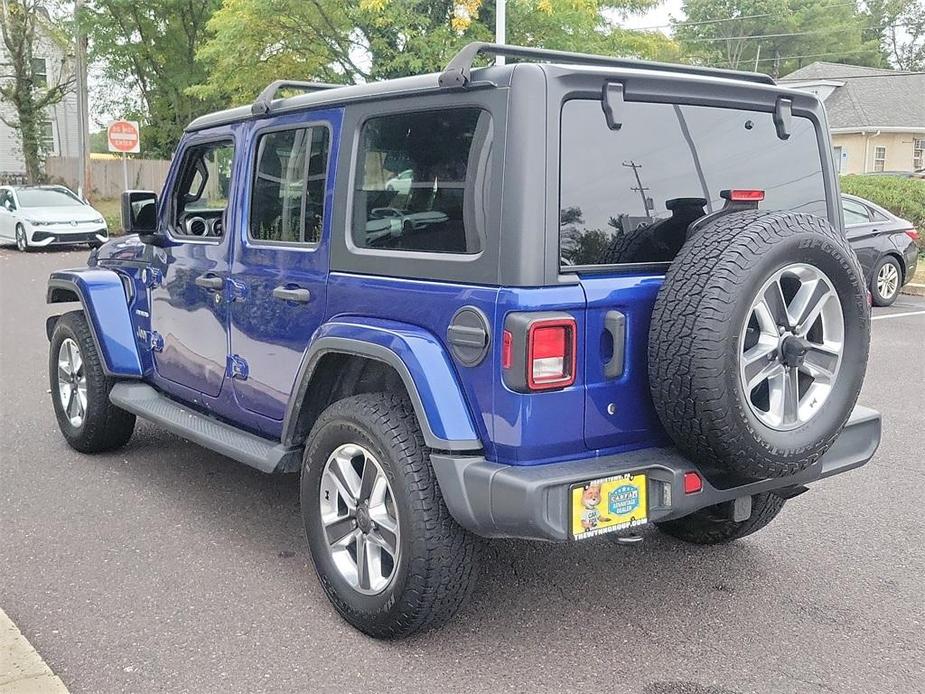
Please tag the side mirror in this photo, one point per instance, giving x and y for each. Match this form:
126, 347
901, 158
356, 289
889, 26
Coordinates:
9, 206
139, 216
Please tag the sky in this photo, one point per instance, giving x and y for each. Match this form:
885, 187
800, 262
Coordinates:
660, 16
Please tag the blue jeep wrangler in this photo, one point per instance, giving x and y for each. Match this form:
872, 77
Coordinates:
551, 300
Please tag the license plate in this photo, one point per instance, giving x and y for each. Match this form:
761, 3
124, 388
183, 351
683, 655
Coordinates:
607, 505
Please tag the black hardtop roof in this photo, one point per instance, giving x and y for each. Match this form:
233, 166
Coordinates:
458, 75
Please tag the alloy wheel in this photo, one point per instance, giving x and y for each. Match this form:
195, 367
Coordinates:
887, 281
791, 347
360, 519
72, 382
21, 238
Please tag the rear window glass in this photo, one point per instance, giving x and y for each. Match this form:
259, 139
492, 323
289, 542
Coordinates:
422, 181
628, 196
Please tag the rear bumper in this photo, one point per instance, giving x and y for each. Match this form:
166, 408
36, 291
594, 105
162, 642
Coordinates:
531, 502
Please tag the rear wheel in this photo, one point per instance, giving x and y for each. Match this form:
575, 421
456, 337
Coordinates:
713, 526
387, 552
886, 281
80, 390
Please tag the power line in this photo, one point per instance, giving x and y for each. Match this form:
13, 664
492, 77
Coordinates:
782, 35
729, 19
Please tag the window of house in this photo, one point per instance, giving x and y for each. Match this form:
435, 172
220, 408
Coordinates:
855, 212
39, 73
879, 158
47, 137
422, 181
629, 195
287, 201
918, 153
203, 190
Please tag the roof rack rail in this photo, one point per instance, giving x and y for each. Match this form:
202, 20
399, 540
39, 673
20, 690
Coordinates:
457, 73
261, 106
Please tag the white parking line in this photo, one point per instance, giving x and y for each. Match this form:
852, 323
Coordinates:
898, 315
22, 670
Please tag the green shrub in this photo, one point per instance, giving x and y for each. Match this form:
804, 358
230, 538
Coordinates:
901, 196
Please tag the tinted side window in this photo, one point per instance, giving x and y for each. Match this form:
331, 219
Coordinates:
287, 202
628, 196
203, 190
855, 212
422, 180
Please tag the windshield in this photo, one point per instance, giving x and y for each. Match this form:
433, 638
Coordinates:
628, 196
47, 197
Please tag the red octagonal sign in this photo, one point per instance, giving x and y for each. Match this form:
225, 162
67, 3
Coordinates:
124, 136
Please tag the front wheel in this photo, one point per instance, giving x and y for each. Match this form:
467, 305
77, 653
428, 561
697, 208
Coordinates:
387, 552
22, 241
80, 390
886, 281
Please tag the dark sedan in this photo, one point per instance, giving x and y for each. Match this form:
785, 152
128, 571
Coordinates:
885, 244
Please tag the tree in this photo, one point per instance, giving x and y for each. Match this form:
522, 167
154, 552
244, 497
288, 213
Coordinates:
901, 26
344, 41
788, 34
152, 46
26, 26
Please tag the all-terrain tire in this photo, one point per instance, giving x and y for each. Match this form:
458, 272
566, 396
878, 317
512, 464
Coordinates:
437, 559
713, 526
104, 426
696, 337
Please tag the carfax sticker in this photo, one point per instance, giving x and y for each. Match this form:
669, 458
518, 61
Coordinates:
607, 505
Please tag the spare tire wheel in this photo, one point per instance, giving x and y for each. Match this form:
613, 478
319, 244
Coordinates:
758, 342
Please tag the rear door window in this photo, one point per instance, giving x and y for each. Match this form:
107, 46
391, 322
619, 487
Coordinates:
855, 212
287, 203
627, 196
421, 181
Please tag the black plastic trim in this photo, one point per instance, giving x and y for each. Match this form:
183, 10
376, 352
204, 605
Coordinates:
531, 501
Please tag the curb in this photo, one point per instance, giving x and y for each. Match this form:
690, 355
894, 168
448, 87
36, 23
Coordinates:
913, 289
22, 670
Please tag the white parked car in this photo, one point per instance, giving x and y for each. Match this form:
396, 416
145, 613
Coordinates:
36, 216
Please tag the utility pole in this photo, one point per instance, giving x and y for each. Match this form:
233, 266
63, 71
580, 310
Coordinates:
500, 27
641, 189
83, 107
757, 55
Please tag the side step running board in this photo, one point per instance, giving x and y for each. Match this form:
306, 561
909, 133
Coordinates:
263, 454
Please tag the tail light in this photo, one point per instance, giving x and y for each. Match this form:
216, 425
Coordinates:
538, 351
912, 234
743, 195
551, 354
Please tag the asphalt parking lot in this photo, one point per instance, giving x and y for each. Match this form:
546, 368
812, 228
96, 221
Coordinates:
165, 567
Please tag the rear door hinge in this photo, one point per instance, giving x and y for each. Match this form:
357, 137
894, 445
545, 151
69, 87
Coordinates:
152, 277
236, 367
152, 339
235, 290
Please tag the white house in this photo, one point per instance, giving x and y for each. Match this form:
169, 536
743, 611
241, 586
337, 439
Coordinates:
60, 126
876, 116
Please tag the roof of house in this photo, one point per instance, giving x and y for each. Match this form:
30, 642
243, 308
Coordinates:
868, 97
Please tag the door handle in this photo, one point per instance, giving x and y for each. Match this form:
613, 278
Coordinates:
211, 282
615, 324
291, 293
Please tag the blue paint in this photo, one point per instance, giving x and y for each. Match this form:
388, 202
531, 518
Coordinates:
103, 298
428, 364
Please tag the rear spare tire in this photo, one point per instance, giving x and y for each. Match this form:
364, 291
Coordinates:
758, 342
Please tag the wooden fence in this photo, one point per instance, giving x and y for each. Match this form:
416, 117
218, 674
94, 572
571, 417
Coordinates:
106, 176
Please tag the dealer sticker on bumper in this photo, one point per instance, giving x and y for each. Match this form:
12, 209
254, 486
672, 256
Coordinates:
608, 504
